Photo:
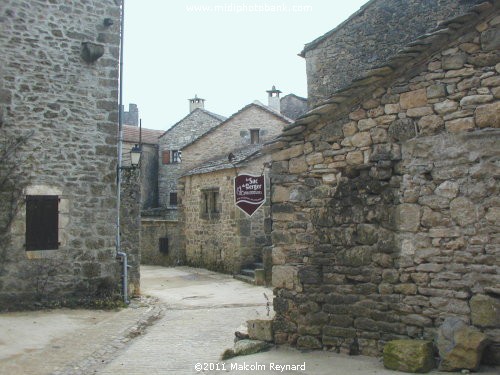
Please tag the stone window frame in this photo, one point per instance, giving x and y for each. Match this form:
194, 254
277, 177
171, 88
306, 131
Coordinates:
254, 136
18, 230
210, 204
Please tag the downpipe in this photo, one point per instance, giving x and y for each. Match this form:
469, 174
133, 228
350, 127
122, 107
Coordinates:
124, 258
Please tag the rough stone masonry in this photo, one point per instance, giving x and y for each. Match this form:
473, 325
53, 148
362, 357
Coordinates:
385, 199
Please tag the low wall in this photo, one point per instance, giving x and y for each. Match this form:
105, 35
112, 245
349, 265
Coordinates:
152, 229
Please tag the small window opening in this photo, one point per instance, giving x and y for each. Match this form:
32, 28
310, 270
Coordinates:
254, 136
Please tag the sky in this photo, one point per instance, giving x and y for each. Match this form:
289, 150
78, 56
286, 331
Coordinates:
228, 52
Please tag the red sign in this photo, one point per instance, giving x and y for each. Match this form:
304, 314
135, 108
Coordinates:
249, 192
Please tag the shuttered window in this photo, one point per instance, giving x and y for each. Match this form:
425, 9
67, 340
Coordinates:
42, 222
163, 245
165, 157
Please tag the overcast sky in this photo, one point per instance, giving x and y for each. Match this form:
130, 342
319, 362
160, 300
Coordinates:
228, 52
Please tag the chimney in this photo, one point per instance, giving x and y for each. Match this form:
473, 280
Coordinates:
274, 99
132, 116
196, 103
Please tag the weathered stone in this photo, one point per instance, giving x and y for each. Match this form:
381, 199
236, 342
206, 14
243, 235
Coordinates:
350, 129
247, 347
415, 356
446, 106
419, 111
460, 125
408, 217
412, 99
430, 124
280, 194
460, 347
455, 61
490, 39
297, 165
261, 330
315, 158
285, 277
361, 139
485, 311
366, 124
308, 342
436, 91
488, 116
463, 211
391, 108
475, 100
354, 158
288, 153
402, 129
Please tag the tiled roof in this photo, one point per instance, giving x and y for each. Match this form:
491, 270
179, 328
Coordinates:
214, 115
149, 136
239, 156
254, 104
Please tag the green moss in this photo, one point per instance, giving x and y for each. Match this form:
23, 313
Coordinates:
415, 356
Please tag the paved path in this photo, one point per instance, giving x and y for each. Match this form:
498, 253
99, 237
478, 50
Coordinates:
192, 322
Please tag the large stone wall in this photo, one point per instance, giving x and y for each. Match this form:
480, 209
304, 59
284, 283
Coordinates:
230, 240
67, 108
377, 31
385, 214
185, 131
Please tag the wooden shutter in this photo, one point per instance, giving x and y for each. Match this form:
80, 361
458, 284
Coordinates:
42, 222
165, 157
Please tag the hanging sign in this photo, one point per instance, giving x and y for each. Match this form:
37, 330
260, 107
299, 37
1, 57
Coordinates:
249, 192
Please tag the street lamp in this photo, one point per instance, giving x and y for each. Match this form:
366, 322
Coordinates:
135, 156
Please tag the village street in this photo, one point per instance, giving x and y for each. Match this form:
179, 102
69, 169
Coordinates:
187, 317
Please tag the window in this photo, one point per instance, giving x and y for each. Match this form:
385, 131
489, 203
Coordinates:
42, 222
173, 199
210, 204
171, 156
176, 156
254, 136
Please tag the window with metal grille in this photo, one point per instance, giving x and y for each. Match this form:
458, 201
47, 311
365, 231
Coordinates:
210, 204
42, 222
176, 156
163, 245
173, 199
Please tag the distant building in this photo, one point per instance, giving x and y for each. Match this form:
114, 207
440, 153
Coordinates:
131, 117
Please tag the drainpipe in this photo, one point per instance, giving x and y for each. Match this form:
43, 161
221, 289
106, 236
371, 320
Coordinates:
120, 254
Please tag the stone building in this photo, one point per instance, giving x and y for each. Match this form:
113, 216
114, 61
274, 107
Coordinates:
184, 132
59, 112
217, 234
368, 38
293, 106
148, 139
385, 197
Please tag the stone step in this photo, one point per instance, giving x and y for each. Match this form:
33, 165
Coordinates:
248, 272
258, 265
245, 279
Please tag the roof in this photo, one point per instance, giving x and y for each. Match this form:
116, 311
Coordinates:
254, 104
211, 114
315, 42
240, 156
404, 63
149, 136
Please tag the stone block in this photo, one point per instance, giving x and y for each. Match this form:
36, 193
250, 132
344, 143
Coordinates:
308, 342
366, 124
460, 125
490, 39
355, 158
460, 346
436, 91
362, 139
288, 153
488, 116
419, 112
415, 356
297, 165
408, 217
485, 311
475, 100
413, 99
247, 347
463, 211
285, 277
455, 61
402, 129
260, 329
445, 107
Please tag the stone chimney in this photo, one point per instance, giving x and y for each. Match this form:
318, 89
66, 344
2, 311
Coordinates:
132, 116
274, 99
196, 103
